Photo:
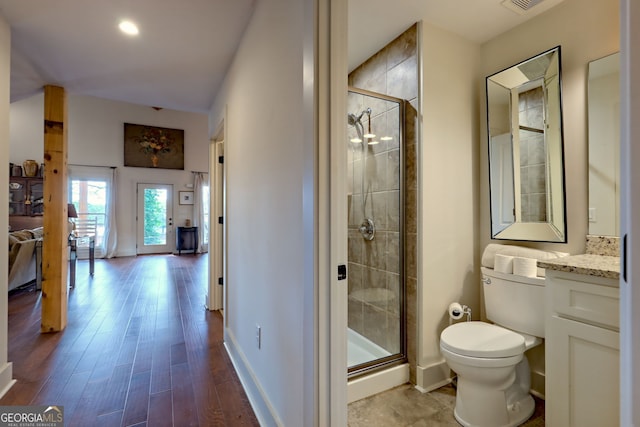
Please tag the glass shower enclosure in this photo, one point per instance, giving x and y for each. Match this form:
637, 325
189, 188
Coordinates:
376, 295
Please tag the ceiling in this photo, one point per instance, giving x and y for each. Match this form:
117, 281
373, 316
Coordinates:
184, 48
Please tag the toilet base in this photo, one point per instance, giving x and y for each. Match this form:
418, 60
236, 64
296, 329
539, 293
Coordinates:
479, 404
517, 414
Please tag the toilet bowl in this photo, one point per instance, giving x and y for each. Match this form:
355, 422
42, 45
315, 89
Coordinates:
493, 372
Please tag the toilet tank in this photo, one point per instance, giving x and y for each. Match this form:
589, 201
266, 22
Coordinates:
514, 302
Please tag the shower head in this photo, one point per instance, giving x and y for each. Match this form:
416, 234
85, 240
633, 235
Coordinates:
356, 121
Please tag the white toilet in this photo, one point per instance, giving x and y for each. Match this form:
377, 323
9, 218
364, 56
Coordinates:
493, 372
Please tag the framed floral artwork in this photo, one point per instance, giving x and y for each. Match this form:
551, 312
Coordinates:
153, 147
186, 197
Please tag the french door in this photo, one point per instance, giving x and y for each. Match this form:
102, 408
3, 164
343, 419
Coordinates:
155, 232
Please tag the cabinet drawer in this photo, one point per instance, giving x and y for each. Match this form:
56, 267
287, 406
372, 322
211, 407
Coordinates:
588, 302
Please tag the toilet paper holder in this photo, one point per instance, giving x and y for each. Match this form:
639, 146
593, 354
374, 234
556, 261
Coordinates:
457, 311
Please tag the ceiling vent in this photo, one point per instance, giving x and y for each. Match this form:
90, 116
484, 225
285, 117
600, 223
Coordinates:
522, 7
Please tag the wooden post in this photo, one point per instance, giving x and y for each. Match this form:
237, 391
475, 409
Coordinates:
55, 264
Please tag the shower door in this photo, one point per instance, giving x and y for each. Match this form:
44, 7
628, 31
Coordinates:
376, 320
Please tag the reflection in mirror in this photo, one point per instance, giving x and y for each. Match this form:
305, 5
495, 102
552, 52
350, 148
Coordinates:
604, 146
524, 113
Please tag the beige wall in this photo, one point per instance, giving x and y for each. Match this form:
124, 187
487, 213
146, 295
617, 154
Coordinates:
448, 199
585, 30
5, 56
454, 197
268, 158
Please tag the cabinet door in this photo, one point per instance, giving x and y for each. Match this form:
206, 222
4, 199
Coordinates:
582, 388
17, 196
36, 192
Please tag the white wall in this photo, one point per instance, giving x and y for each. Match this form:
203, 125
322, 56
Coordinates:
96, 138
585, 30
448, 229
454, 179
267, 244
6, 370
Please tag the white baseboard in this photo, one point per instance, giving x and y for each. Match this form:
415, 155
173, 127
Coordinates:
377, 382
261, 407
126, 253
6, 378
432, 377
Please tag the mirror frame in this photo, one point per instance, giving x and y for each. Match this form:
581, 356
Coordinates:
554, 227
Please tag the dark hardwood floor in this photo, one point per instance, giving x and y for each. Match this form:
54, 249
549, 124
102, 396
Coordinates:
139, 349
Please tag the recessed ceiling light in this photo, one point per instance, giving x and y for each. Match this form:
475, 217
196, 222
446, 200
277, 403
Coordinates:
129, 28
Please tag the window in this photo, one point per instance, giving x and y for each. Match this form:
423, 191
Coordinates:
90, 192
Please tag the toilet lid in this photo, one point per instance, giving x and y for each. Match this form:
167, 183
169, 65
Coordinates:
480, 339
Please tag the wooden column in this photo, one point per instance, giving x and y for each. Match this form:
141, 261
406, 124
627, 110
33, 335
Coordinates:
55, 264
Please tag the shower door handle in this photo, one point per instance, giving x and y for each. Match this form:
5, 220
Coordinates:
342, 272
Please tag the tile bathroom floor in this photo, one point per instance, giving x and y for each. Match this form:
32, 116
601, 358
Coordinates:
405, 406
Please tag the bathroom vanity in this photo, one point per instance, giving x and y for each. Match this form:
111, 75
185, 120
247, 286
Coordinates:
582, 349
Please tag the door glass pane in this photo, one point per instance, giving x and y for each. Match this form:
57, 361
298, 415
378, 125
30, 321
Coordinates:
155, 216
90, 200
375, 231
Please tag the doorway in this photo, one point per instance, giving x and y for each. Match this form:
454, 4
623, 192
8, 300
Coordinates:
155, 219
216, 208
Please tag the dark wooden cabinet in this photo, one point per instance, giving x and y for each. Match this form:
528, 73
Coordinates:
25, 196
187, 239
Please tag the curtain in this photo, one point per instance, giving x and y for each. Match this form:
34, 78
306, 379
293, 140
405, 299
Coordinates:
111, 229
201, 209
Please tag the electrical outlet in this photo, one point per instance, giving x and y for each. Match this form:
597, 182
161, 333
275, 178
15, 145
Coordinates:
259, 336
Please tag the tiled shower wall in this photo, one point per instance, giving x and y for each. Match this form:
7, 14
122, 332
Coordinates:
373, 270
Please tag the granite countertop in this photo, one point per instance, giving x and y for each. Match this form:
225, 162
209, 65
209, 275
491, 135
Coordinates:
589, 264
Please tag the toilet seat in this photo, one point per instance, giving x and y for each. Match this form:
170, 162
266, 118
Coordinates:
482, 340
481, 362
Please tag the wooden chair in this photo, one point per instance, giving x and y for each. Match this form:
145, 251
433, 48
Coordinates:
85, 227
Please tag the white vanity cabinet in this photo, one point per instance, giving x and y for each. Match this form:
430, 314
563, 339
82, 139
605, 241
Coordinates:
582, 350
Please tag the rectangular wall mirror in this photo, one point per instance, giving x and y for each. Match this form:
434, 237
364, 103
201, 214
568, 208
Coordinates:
604, 146
526, 156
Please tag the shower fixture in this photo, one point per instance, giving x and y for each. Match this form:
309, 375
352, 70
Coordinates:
355, 120
367, 228
369, 134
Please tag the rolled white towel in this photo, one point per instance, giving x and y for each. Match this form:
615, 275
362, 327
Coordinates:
503, 263
527, 267
492, 249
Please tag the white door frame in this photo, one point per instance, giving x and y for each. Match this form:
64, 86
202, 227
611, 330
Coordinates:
630, 213
332, 63
170, 242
